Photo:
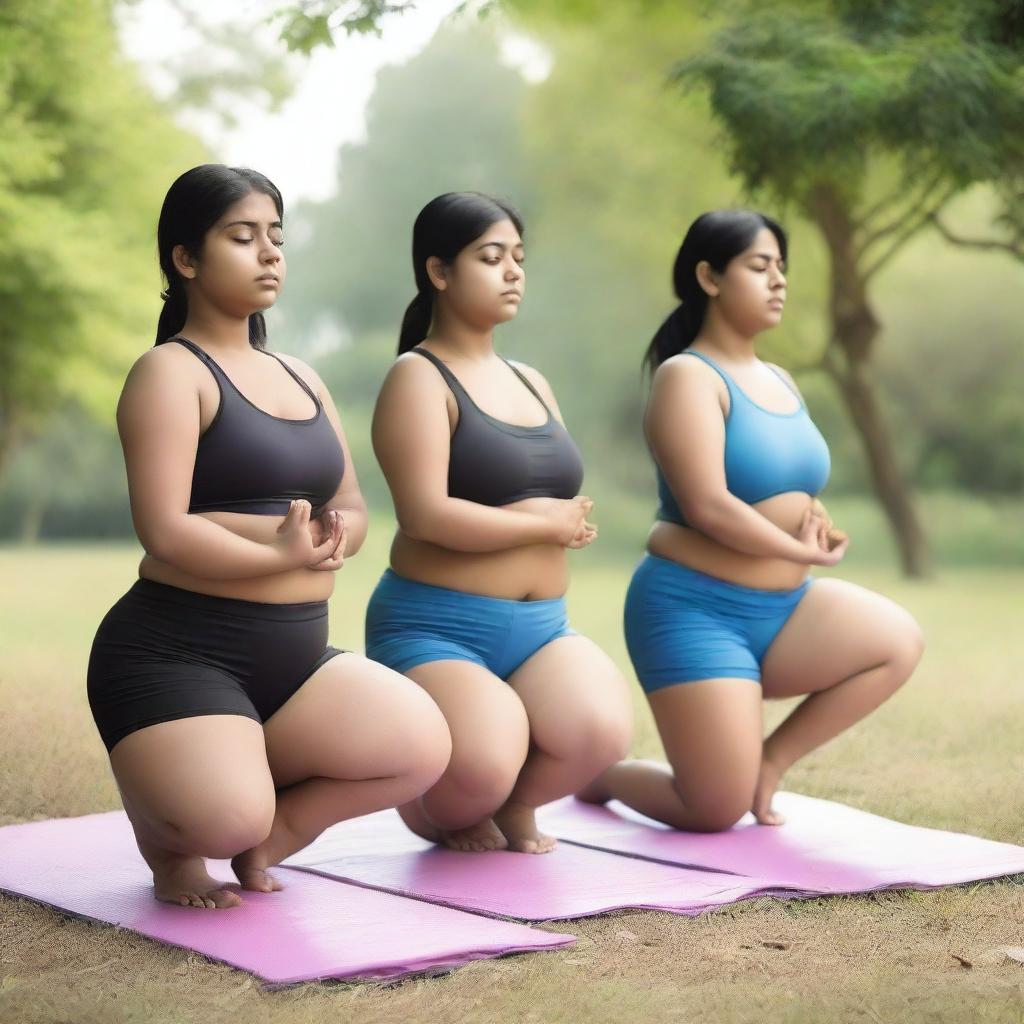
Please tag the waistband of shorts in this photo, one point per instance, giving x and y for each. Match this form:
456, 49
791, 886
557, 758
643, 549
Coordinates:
164, 593
391, 580
712, 584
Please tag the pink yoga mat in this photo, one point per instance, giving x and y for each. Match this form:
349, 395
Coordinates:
823, 847
314, 928
379, 851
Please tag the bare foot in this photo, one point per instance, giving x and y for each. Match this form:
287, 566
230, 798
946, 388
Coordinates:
478, 838
184, 880
252, 872
596, 791
767, 782
519, 823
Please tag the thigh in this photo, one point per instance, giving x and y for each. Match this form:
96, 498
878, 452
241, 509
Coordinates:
712, 734
575, 698
354, 719
837, 630
182, 770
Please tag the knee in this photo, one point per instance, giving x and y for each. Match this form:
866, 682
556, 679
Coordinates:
600, 740
424, 745
486, 779
224, 828
715, 810
907, 646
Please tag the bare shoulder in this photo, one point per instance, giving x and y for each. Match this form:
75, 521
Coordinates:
785, 374
168, 363
412, 370
303, 369
679, 371
535, 377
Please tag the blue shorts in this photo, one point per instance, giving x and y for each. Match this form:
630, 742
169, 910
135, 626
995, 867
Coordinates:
683, 625
410, 623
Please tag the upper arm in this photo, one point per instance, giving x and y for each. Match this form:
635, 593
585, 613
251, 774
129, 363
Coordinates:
348, 494
542, 386
158, 418
685, 427
412, 436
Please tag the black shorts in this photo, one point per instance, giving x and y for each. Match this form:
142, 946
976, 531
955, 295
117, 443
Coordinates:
162, 653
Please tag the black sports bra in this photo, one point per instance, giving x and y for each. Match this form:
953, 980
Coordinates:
495, 463
250, 461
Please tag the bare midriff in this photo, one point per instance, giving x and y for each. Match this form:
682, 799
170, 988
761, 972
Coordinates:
293, 586
696, 550
531, 572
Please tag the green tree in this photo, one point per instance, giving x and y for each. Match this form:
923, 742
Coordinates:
869, 118
85, 157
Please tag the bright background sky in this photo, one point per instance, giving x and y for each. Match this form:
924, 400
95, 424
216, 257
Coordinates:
296, 146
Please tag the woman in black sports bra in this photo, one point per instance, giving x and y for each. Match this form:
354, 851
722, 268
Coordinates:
485, 481
234, 729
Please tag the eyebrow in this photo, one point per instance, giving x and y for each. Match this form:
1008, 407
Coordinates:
499, 245
251, 224
767, 256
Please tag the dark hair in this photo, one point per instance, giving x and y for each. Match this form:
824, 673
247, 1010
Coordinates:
443, 228
718, 237
193, 204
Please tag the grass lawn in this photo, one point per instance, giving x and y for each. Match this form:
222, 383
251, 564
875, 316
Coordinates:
946, 752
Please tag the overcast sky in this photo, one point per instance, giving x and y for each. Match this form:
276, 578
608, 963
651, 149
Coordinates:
297, 146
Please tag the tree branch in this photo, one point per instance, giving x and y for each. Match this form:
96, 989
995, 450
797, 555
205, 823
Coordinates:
908, 232
1015, 247
894, 225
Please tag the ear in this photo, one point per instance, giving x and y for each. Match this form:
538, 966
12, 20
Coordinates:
183, 262
437, 272
707, 279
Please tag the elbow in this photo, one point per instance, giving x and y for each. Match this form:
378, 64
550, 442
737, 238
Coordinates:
159, 541
704, 514
415, 525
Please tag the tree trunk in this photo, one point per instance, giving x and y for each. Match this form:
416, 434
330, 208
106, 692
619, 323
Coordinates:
847, 360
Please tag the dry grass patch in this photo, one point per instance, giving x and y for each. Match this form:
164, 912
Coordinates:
945, 752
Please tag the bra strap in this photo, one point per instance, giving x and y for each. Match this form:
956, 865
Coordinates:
532, 389
714, 366
204, 357
449, 378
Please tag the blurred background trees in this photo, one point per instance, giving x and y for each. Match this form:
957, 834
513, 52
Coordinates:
881, 134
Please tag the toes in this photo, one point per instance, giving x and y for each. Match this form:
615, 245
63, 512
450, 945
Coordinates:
222, 899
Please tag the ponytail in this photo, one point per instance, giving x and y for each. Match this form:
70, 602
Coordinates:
677, 332
416, 321
175, 311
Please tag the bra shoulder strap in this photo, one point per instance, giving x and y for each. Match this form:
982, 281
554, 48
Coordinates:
449, 378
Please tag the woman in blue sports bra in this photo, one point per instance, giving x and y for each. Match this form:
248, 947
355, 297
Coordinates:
234, 729
720, 614
485, 481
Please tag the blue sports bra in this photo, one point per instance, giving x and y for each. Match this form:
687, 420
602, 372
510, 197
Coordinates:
766, 453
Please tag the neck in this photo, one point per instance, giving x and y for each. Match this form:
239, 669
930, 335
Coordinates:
471, 341
721, 336
213, 328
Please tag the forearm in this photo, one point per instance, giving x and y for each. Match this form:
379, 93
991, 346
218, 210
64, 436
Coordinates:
461, 525
357, 524
206, 550
735, 524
